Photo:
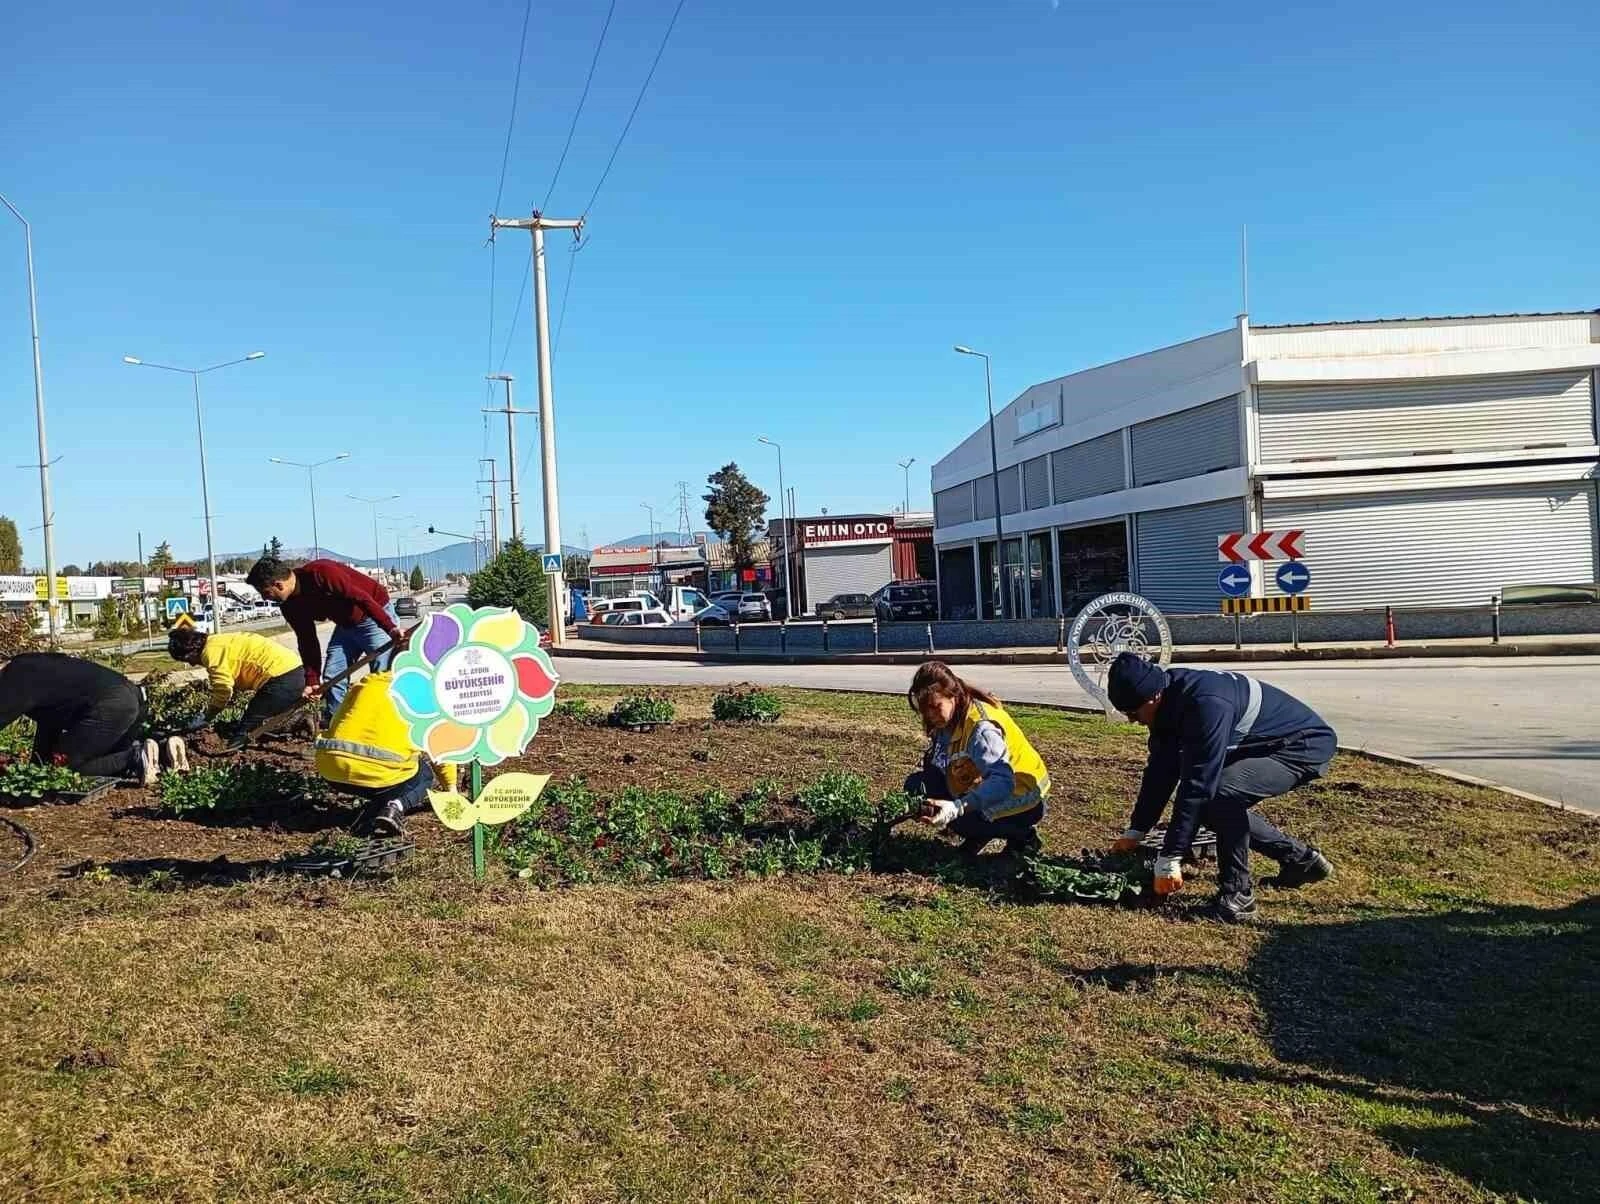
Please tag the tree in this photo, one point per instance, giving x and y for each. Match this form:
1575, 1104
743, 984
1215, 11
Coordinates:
417, 579
736, 510
108, 625
161, 558
273, 548
10, 547
515, 578
70, 570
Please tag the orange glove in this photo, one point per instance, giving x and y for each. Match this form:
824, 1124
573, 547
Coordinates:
1128, 841
1169, 875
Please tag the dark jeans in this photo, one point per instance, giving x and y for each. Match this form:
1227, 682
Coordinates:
280, 694
971, 825
99, 741
412, 794
1240, 828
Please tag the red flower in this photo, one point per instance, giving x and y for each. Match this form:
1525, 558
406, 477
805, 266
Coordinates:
58, 759
600, 842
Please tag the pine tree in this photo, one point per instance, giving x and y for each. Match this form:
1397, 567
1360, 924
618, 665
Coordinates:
273, 549
417, 579
515, 578
10, 547
736, 510
161, 559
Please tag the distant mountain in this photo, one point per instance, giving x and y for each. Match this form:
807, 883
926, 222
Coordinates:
436, 562
643, 541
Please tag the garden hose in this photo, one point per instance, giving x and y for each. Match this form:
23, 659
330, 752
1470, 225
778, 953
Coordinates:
29, 845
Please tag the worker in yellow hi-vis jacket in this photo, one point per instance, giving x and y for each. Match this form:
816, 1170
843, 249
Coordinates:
367, 752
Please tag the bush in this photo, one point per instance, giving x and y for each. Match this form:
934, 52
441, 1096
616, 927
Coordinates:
222, 788
749, 705
580, 711
515, 578
643, 708
108, 623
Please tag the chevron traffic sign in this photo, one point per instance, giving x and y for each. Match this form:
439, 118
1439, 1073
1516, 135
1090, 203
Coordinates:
1240, 546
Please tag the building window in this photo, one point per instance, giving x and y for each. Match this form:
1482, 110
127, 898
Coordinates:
1041, 576
958, 597
989, 575
1015, 583
1043, 417
1094, 561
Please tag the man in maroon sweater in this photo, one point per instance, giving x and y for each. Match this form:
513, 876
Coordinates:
319, 590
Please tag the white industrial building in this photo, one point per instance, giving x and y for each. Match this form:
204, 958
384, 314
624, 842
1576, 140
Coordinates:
1431, 462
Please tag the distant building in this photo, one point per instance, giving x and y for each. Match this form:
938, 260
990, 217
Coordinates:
1430, 461
833, 554
617, 572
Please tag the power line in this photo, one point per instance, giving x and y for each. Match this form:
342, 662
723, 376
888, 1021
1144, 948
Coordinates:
566, 291
639, 100
578, 112
511, 121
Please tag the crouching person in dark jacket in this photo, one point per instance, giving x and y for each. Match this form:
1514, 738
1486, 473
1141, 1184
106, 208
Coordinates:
1225, 742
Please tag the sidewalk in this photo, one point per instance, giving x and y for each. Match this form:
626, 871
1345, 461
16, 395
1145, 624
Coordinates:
1538, 645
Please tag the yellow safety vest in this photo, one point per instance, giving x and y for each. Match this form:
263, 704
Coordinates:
1032, 780
368, 743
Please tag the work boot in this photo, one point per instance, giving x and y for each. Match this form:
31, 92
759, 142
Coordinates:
175, 754
1293, 875
1235, 907
1026, 845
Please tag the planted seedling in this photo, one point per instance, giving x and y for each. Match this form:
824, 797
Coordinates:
642, 712
219, 789
746, 705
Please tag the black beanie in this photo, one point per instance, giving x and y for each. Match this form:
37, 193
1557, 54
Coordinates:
1134, 681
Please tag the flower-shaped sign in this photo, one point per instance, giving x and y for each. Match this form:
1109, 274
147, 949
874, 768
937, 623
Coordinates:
474, 684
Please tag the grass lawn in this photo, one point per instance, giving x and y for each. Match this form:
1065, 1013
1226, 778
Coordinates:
1423, 1027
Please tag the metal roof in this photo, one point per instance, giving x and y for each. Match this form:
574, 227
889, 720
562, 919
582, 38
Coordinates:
1559, 313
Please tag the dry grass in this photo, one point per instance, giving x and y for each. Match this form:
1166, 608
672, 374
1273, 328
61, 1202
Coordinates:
1423, 1027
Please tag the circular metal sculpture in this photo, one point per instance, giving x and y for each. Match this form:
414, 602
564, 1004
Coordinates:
1113, 624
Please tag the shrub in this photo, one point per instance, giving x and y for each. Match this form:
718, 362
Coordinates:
223, 788
746, 706
643, 708
173, 704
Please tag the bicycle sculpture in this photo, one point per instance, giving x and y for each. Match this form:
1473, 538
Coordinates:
1112, 624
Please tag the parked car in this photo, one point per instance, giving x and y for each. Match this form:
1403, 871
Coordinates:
710, 616
405, 608
639, 618
847, 606
753, 608
903, 600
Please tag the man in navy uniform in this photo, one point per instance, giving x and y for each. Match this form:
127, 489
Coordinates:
1225, 741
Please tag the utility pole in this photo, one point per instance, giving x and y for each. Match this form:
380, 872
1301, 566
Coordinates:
494, 508
536, 225
511, 447
906, 465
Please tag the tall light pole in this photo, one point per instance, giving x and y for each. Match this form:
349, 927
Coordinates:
511, 413
45, 507
311, 479
536, 225
783, 528
375, 502
399, 557
655, 558
194, 375
994, 477
906, 464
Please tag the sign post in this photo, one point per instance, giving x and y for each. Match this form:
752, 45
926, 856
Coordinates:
473, 685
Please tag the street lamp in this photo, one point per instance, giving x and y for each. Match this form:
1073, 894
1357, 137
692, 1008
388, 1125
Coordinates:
906, 464
655, 557
316, 543
472, 539
399, 557
375, 502
783, 528
194, 375
38, 418
994, 477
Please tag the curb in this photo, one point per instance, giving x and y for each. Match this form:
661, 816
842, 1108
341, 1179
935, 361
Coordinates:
1192, 656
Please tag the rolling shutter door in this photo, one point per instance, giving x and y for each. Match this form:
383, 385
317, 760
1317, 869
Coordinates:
1036, 483
1177, 561
1010, 490
862, 569
952, 507
1089, 468
1442, 546
1187, 444
1372, 419
983, 497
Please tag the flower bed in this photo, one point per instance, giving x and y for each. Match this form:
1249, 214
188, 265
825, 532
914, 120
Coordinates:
219, 789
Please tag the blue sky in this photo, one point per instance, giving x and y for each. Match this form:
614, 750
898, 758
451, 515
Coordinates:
815, 202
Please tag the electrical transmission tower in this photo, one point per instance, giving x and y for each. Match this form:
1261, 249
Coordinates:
684, 526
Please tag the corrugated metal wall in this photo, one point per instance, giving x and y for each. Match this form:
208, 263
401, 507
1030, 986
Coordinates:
1010, 490
1177, 553
1441, 547
983, 497
952, 507
1188, 443
1036, 483
854, 570
1089, 468
1351, 419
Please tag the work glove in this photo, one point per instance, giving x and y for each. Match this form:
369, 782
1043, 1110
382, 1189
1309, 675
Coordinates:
1128, 841
938, 813
1169, 875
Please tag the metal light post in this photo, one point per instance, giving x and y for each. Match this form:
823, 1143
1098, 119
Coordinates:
783, 529
48, 512
655, 555
994, 476
399, 557
194, 375
375, 502
316, 543
472, 539
906, 464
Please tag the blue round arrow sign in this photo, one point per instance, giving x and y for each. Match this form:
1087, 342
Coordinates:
1293, 578
1234, 581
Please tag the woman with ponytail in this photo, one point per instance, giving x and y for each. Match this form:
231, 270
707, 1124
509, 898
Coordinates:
981, 779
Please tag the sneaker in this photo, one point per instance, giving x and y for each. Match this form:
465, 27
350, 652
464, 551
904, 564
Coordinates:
1235, 907
382, 819
146, 762
1292, 876
1025, 846
972, 846
175, 754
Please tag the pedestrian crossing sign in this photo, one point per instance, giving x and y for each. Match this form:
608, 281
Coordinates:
552, 563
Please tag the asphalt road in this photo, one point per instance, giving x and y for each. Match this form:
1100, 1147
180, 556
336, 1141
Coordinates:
1527, 723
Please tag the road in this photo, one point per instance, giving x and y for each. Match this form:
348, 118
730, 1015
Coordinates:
1527, 723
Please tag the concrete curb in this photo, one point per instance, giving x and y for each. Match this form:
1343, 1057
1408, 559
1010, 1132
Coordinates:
1189, 656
